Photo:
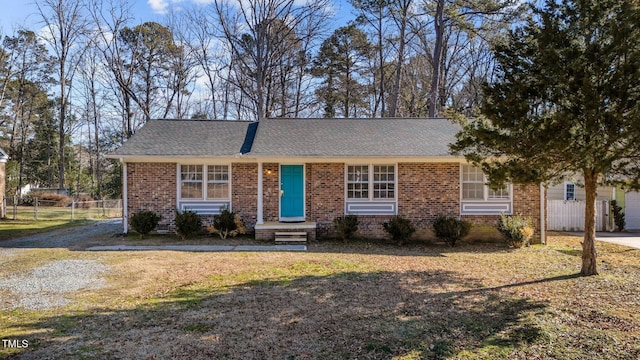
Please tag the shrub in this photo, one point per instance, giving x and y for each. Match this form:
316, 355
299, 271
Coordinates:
346, 226
143, 222
187, 224
399, 228
47, 199
450, 229
85, 202
618, 216
225, 222
516, 229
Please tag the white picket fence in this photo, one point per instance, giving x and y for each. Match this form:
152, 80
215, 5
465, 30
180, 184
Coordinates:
568, 215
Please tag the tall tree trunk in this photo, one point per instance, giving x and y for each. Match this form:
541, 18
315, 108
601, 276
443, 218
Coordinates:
438, 23
61, 130
588, 245
383, 110
96, 134
393, 107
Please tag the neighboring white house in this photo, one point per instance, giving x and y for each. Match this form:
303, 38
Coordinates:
566, 201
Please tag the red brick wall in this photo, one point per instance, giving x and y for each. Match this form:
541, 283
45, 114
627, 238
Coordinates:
244, 192
271, 192
325, 195
526, 202
425, 191
428, 190
152, 186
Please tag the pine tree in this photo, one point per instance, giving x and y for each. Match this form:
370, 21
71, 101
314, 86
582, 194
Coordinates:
566, 101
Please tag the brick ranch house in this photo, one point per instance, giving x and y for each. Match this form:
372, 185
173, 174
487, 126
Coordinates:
3, 175
300, 174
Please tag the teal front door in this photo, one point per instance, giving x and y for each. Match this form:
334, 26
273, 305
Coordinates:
292, 193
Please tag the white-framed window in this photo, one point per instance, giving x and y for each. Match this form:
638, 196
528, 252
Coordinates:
371, 182
217, 182
358, 182
191, 181
474, 188
204, 182
569, 191
384, 182
472, 183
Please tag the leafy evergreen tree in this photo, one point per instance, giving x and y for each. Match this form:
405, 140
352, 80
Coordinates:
566, 100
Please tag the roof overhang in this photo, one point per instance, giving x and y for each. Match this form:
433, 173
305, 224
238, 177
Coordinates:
284, 159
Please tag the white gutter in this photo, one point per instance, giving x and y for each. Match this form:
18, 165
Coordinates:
259, 219
125, 199
543, 239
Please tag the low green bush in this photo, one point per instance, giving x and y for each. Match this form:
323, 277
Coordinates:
399, 228
450, 229
225, 222
516, 229
346, 226
187, 223
143, 222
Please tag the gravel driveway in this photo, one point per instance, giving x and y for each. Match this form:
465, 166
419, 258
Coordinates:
68, 237
46, 287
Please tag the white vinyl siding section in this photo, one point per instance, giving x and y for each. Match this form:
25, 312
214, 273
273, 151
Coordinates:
476, 198
557, 191
371, 189
204, 189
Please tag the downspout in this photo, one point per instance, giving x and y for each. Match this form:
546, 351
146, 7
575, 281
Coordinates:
543, 239
125, 198
260, 219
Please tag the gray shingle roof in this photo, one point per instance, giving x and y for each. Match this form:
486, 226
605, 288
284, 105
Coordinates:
3, 155
186, 138
354, 137
294, 138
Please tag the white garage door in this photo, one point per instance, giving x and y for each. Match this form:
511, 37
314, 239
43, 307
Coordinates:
632, 211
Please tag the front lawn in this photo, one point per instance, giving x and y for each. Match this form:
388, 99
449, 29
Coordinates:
361, 300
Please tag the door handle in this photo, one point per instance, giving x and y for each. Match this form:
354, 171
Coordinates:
281, 193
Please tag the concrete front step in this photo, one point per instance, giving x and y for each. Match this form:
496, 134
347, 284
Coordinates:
291, 237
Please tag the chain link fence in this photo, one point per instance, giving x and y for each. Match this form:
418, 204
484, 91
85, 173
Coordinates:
40, 209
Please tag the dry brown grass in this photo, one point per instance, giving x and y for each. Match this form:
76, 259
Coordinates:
360, 300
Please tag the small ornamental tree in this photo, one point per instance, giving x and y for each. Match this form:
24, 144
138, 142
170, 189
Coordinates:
565, 99
618, 216
225, 222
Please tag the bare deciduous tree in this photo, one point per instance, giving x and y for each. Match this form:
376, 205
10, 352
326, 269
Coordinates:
65, 26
